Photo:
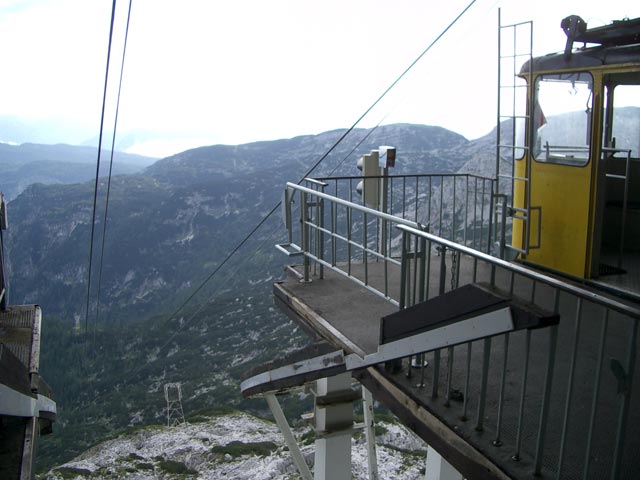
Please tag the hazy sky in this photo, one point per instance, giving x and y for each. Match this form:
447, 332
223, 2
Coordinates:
244, 70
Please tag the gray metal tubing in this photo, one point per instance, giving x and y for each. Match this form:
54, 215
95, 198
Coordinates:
483, 385
482, 219
353, 206
305, 232
475, 212
443, 271
373, 253
386, 253
415, 271
365, 249
532, 274
320, 237
475, 269
415, 217
404, 196
572, 370
624, 406
497, 442
466, 211
523, 392
625, 198
511, 282
393, 301
453, 221
447, 394
596, 389
548, 380
422, 276
436, 374
334, 222
428, 275
403, 269
318, 183
429, 205
348, 218
466, 384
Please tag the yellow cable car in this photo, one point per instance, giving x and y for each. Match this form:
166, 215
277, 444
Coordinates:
577, 178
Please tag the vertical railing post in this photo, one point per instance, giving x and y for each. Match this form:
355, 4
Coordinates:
320, 219
596, 390
503, 380
569, 397
403, 270
546, 395
372, 457
523, 394
483, 384
625, 379
305, 234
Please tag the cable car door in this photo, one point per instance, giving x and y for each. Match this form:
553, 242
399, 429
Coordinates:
562, 172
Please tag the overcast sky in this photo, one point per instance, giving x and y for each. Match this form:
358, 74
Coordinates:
246, 70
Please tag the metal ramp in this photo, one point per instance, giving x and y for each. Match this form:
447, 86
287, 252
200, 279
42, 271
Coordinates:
469, 313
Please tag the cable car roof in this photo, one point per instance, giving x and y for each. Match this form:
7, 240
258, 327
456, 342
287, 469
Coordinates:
617, 43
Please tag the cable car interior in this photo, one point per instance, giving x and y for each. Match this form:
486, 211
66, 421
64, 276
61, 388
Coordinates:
578, 184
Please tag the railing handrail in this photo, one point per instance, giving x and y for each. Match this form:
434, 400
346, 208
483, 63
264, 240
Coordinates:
354, 206
408, 175
533, 274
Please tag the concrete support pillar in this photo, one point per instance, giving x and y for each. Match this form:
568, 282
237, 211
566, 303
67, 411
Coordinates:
438, 468
334, 426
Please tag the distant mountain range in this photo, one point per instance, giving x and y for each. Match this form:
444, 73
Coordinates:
173, 222
29, 163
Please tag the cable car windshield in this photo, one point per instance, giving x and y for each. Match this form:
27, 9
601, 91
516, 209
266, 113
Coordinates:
562, 118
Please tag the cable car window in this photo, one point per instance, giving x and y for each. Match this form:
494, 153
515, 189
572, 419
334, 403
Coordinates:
626, 119
562, 118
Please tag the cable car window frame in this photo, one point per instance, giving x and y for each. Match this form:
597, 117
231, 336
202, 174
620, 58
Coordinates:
569, 155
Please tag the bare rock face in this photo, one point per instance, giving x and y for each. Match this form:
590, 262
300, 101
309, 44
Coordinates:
237, 446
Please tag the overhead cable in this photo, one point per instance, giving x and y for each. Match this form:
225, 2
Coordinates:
315, 165
95, 189
113, 146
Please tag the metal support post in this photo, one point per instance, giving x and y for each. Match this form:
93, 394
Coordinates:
289, 439
334, 426
305, 233
438, 468
370, 435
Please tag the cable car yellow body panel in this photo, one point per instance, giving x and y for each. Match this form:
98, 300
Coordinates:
562, 194
566, 202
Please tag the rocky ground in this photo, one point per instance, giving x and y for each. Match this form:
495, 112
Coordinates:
234, 446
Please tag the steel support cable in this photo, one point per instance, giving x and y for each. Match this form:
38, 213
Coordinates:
199, 309
393, 84
307, 173
362, 140
248, 236
95, 190
319, 161
113, 146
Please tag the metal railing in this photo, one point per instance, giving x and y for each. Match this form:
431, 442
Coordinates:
453, 206
557, 398
570, 412
337, 232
